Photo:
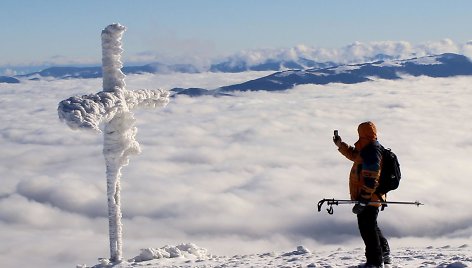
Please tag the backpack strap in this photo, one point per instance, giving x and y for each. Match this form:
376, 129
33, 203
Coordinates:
378, 194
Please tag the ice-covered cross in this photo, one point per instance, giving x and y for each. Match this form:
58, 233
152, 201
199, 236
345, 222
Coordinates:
110, 110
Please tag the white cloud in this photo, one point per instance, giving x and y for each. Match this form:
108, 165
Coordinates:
17, 210
467, 49
445, 45
201, 53
357, 52
9, 72
71, 194
249, 168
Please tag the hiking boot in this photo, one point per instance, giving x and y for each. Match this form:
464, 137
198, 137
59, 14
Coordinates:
387, 259
368, 265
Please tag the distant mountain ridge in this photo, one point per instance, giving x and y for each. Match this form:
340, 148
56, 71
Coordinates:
229, 65
288, 72
444, 65
9, 80
96, 71
239, 65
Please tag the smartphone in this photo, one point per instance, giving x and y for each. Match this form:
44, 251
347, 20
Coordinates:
336, 135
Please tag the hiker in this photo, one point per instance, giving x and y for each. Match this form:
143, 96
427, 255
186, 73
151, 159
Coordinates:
363, 180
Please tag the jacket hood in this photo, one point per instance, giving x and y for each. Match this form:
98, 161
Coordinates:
367, 130
367, 133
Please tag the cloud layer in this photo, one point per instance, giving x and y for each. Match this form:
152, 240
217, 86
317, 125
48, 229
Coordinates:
232, 174
351, 53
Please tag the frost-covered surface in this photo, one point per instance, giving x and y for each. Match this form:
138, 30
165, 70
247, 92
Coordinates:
112, 109
89, 111
427, 60
189, 255
113, 77
181, 251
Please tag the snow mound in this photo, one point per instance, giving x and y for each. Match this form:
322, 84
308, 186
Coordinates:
300, 251
188, 250
191, 256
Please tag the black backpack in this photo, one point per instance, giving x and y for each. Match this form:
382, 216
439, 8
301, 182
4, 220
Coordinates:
390, 174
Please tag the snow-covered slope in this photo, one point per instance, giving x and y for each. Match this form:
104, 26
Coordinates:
190, 255
235, 65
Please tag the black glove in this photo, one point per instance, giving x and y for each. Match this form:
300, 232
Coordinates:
360, 206
337, 140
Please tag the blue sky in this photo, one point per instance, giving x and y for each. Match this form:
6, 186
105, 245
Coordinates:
38, 32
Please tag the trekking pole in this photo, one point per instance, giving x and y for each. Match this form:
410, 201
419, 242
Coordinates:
332, 201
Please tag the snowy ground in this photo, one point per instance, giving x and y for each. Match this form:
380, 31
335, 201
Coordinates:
189, 255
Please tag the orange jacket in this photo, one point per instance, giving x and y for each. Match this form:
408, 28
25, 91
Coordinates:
365, 171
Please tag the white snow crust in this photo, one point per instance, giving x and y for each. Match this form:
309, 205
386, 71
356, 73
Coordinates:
426, 61
190, 255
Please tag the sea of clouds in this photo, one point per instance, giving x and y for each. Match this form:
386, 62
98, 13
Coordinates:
234, 175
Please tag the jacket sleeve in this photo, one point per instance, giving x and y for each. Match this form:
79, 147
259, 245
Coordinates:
348, 151
371, 158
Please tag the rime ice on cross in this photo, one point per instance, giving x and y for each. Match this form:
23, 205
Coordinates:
111, 110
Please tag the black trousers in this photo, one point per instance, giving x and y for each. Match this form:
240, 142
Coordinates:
376, 245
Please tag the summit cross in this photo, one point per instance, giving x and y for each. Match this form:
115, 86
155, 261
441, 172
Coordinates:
109, 112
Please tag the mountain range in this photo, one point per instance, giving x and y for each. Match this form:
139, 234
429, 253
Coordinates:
96, 71
231, 64
444, 65
288, 73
